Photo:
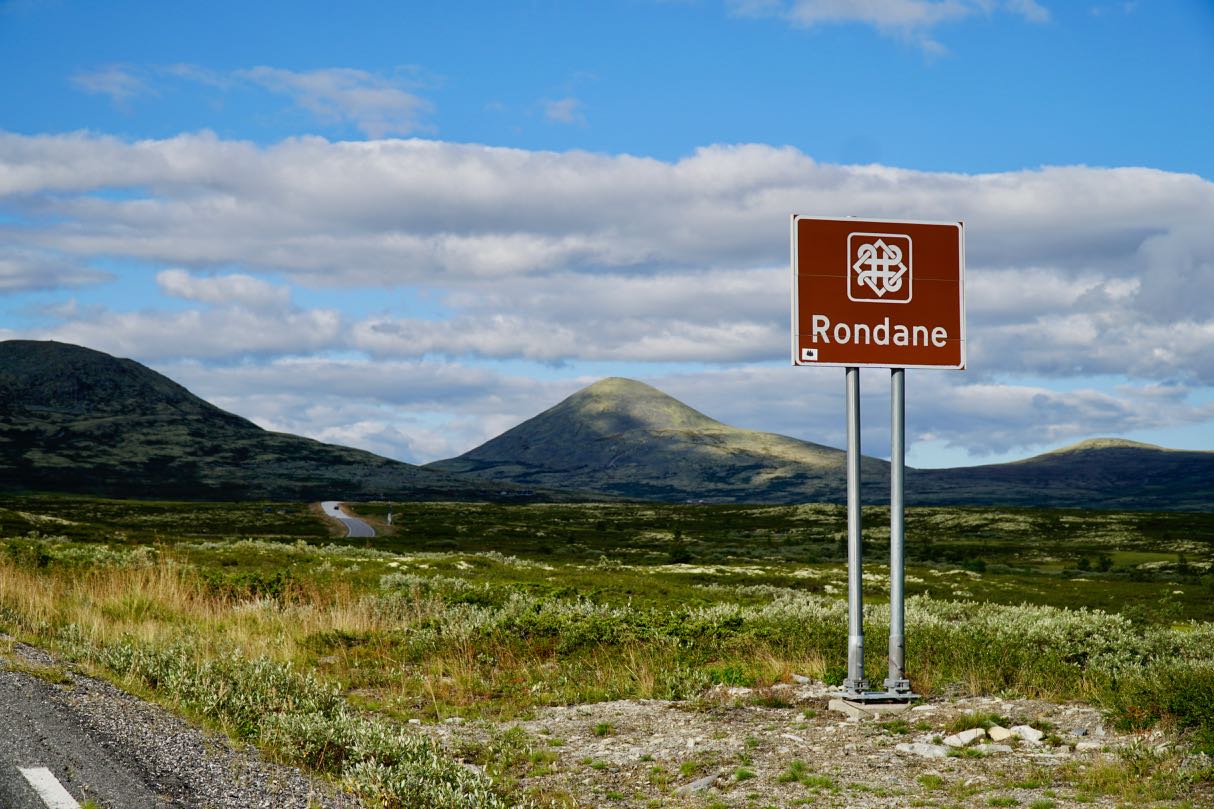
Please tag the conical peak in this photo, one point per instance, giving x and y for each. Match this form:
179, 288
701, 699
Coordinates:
617, 404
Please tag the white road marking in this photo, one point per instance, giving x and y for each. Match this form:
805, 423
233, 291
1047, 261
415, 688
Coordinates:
48, 788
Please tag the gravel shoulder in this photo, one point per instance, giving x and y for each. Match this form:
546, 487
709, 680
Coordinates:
151, 753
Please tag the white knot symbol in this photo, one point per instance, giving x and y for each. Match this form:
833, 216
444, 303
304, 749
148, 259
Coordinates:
879, 267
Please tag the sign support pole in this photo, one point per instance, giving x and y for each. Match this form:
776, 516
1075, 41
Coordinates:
897, 684
855, 684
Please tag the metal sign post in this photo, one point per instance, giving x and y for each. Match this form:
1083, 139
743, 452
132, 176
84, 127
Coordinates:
897, 683
855, 682
888, 294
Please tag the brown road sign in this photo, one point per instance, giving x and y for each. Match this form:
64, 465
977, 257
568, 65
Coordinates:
883, 293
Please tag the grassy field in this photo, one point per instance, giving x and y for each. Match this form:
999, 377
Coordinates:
255, 619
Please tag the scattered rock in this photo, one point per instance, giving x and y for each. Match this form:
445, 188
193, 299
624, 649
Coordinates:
923, 749
999, 733
1079, 731
801, 679
992, 749
1028, 734
965, 738
700, 784
1088, 747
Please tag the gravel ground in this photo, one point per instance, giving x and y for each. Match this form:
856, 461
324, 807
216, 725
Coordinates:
188, 767
732, 749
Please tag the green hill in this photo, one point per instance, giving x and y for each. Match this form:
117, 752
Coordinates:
77, 420
628, 439
1100, 473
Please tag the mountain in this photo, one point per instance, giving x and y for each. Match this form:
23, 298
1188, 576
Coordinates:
77, 420
625, 438
1101, 473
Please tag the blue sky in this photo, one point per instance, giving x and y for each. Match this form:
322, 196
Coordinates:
407, 227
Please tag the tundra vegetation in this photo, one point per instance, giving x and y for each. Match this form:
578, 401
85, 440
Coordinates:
255, 619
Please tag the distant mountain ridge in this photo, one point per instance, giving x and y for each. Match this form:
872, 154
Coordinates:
629, 439
77, 420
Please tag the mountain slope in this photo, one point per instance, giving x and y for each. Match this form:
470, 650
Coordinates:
77, 420
1103, 473
625, 438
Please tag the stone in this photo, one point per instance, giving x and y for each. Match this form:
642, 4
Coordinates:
801, 679
1029, 734
923, 750
965, 738
998, 733
1088, 747
992, 749
700, 784
1079, 731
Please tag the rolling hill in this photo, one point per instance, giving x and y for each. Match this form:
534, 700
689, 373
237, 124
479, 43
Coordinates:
77, 420
628, 439
1100, 473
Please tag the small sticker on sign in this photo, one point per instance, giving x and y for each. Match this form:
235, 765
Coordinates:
809, 355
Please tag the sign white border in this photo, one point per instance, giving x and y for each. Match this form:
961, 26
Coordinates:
864, 222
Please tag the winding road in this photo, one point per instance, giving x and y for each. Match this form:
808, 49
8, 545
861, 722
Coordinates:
354, 526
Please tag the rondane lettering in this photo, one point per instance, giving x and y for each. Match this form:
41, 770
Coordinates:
882, 334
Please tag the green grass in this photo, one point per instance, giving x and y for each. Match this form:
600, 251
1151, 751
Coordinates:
977, 719
493, 611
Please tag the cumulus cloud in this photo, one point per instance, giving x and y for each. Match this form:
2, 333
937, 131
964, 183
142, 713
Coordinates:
220, 333
421, 411
575, 256
28, 269
225, 290
416, 411
954, 410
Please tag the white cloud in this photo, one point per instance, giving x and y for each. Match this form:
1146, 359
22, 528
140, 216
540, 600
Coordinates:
212, 334
225, 290
376, 105
913, 19
421, 411
567, 256
120, 82
956, 410
564, 111
26, 269
412, 411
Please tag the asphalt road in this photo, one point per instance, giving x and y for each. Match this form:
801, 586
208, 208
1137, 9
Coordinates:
48, 760
354, 526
